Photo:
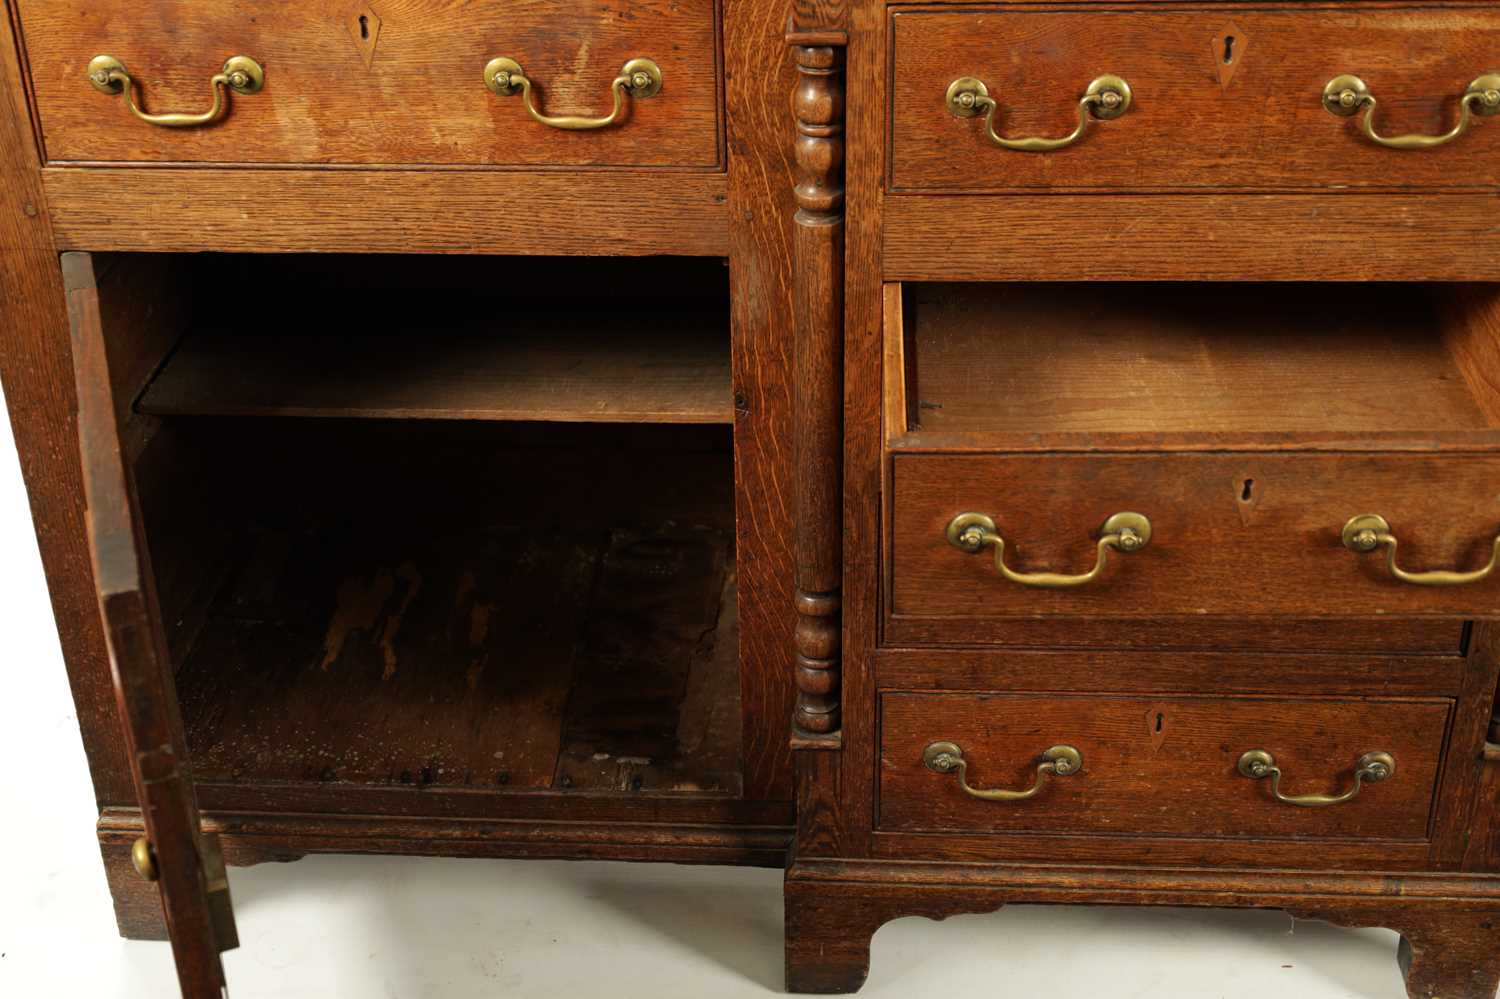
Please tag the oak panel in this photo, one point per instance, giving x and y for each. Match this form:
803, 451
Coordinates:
1160, 765
419, 98
1197, 122
1185, 237
1234, 534
388, 211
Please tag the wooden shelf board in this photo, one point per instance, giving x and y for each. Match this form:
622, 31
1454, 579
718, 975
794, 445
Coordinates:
590, 369
1164, 359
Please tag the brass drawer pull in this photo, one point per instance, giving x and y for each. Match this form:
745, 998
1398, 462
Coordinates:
1369, 531
947, 758
241, 74
1345, 95
640, 78
1372, 768
1105, 98
1123, 532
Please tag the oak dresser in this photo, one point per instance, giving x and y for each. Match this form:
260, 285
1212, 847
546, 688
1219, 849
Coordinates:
1171, 475
1082, 421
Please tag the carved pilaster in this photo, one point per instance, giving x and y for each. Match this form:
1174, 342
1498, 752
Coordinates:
818, 300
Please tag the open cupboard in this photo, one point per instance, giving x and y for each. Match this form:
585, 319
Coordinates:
472, 567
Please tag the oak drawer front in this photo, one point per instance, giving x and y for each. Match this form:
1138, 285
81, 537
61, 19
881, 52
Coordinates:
1167, 766
1195, 120
405, 85
1211, 551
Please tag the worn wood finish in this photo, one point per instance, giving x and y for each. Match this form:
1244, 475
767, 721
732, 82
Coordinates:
437, 634
36, 365
760, 74
1106, 358
960, 635
138, 913
200, 926
1401, 237
1263, 129
670, 368
672, 835
1092, 670
1233, 534
655, 701
1381, 636
624, 213
1090, 848
420, 100
1178, 753
1472, 332
818, 298
1447, 924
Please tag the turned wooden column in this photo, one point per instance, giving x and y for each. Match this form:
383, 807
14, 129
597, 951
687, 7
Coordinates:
818, 365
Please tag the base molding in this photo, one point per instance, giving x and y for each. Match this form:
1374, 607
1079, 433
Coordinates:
255, 838
1449, 922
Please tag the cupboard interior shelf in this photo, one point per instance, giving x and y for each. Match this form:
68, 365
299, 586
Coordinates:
1115, 358
587, 369
614, 342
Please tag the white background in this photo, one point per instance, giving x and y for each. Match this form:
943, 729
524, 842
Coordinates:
409, 928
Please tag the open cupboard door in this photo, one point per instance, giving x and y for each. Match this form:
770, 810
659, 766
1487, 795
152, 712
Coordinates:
185, 864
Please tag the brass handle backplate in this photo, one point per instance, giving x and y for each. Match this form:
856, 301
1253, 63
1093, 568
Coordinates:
1105, 98
947, 758
1123, 532
1369, 531
1345, 95
1372, 768
640, 78
241, 74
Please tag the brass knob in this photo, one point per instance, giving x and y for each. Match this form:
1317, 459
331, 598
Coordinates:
144, 859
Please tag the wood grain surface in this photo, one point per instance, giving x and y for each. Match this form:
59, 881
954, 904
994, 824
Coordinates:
37, 368
1187, 128
420, 99
626, 213
1213, 551
1170, 237
759, 75
1160, 765
194, 894
1192, 358
1446, 923
591, 369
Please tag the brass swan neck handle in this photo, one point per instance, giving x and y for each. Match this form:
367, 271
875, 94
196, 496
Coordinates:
640, 78
1346, 95
948, 758
1372, 768
240, 74
1369, 531
1105, 98
1123, 532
